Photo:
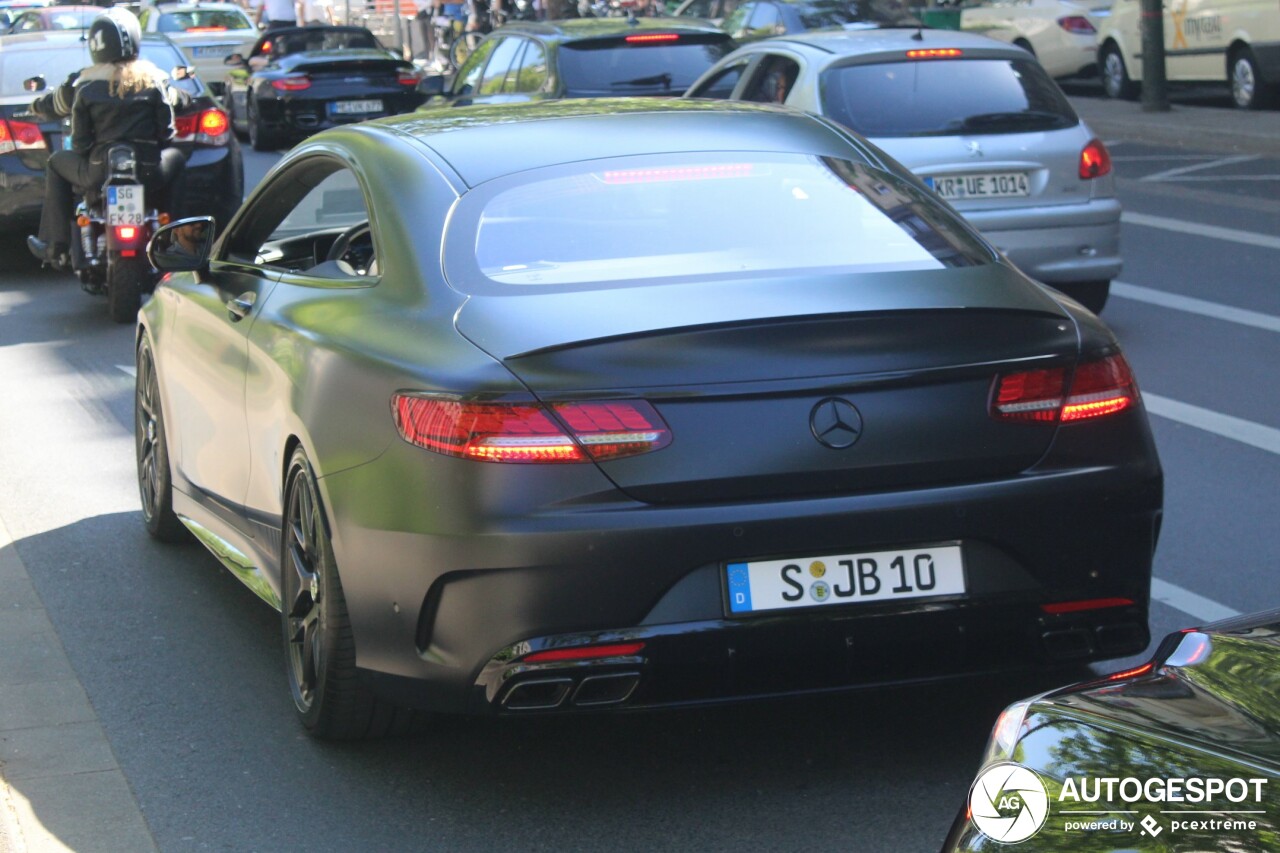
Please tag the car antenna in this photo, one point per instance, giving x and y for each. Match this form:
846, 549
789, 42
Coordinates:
919, 33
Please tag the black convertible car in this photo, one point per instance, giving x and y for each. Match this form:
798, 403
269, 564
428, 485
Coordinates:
622, 403
300, 80
1179, 754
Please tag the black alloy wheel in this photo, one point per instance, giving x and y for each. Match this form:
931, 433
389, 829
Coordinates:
259, 137
155, 483
320, 650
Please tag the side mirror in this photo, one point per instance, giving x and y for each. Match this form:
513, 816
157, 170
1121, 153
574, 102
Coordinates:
182, 72
234, 59
433, 85
34, 84
182, 246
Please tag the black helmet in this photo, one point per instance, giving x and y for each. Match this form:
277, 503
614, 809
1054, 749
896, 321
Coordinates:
114, 36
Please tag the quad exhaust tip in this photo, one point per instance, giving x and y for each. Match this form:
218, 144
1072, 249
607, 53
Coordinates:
593, 691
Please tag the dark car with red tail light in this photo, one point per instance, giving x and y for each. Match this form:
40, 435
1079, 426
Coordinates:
504, 414
1180, 753
296, 81
978, 120
581, 58
213, 179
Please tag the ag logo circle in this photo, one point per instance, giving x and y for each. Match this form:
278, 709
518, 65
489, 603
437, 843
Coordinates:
1008, 803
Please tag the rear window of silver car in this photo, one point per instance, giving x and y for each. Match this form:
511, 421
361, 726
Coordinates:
699, 216
640, 64
203, 20
945, 97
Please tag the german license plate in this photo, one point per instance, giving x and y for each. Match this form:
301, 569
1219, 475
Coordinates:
991, 185
835, 579
356, 107
125, 205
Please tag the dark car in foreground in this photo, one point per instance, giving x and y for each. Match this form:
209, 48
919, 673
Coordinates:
1181, 753
505, 415
213, 179
300, 80
580, 58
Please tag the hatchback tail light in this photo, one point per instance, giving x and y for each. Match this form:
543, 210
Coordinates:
293, 83
1095, 160
20, 136
1058, 394
207, 127
1077, 24
529, 432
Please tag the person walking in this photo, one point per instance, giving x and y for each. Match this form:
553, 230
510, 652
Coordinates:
278, 14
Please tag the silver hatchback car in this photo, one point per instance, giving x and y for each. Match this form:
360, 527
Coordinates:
979, 121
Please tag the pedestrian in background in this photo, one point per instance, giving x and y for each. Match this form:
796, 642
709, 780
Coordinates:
278, 13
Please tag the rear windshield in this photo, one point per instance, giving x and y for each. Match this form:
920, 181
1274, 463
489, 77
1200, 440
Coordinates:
203, 20
731, 215
650, 64
944, 97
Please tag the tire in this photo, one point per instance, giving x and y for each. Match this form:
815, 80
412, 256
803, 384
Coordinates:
1091, 294
127, 279
233, 120
1115, 76
1248, 90
259, 137
319, 645
155, 478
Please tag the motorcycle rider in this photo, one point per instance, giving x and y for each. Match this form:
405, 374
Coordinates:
120, 98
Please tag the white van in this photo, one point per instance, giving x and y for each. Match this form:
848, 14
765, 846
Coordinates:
1205, 41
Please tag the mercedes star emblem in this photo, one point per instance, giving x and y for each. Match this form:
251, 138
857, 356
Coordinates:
836, 423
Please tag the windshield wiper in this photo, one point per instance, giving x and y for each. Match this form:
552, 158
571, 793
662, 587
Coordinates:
664, 79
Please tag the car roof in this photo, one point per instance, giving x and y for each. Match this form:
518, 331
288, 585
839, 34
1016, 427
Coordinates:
54, 39
854, 42
165, 8
574, 29
479, 144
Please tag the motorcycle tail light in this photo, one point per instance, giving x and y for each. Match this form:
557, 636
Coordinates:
126, 233
529, 432
1095, 160
1094, 389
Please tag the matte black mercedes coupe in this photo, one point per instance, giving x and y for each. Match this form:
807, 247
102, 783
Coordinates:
616, 403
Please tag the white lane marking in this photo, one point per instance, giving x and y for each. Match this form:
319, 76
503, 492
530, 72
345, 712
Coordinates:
1220, 179
1182, 170
129, 369
1188, 602
1161, 158
1191, 305
1178, 225
1237, 429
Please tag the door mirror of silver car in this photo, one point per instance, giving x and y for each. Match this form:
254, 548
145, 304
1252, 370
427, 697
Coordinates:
183, 246
235, 59
182, 72
34, 84
434, 85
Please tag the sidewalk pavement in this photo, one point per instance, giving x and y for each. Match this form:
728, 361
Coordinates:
68, 792
1225, 129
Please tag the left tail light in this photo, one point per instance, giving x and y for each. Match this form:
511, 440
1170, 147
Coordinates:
530, 432
207, 127
409, 77
1095, 160
1059, 394
20, 136
1077, 24
292, 83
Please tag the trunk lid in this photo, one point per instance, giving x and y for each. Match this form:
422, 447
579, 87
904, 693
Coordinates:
740, 372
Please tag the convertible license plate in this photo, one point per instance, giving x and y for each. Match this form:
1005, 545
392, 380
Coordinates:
991, 185
763, 585
356, 107
125, 205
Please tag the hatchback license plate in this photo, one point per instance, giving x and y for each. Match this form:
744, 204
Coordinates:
356, 107
762, 585
993, 185
125, 205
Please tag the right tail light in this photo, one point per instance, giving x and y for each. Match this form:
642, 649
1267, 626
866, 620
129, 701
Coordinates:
1093, 389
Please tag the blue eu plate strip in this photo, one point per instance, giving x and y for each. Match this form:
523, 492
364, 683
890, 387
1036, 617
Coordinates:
739, 588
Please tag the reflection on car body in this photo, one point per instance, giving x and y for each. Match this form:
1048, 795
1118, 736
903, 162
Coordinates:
554, 433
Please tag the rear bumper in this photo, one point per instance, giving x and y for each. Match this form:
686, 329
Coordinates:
302, 117
1059, 243
443, 615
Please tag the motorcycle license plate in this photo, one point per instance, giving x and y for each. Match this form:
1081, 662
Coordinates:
125, 205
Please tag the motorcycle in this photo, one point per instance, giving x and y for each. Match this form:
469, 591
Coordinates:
114, 224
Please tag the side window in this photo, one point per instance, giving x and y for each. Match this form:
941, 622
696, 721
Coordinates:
765, 21
721, 86
500, 62
317, 224
772, 81
532, 76
735, 24
469, 74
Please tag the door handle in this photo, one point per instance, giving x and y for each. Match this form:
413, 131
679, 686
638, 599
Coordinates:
240, 307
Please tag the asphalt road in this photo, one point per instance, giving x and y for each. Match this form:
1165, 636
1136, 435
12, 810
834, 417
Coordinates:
181, 664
